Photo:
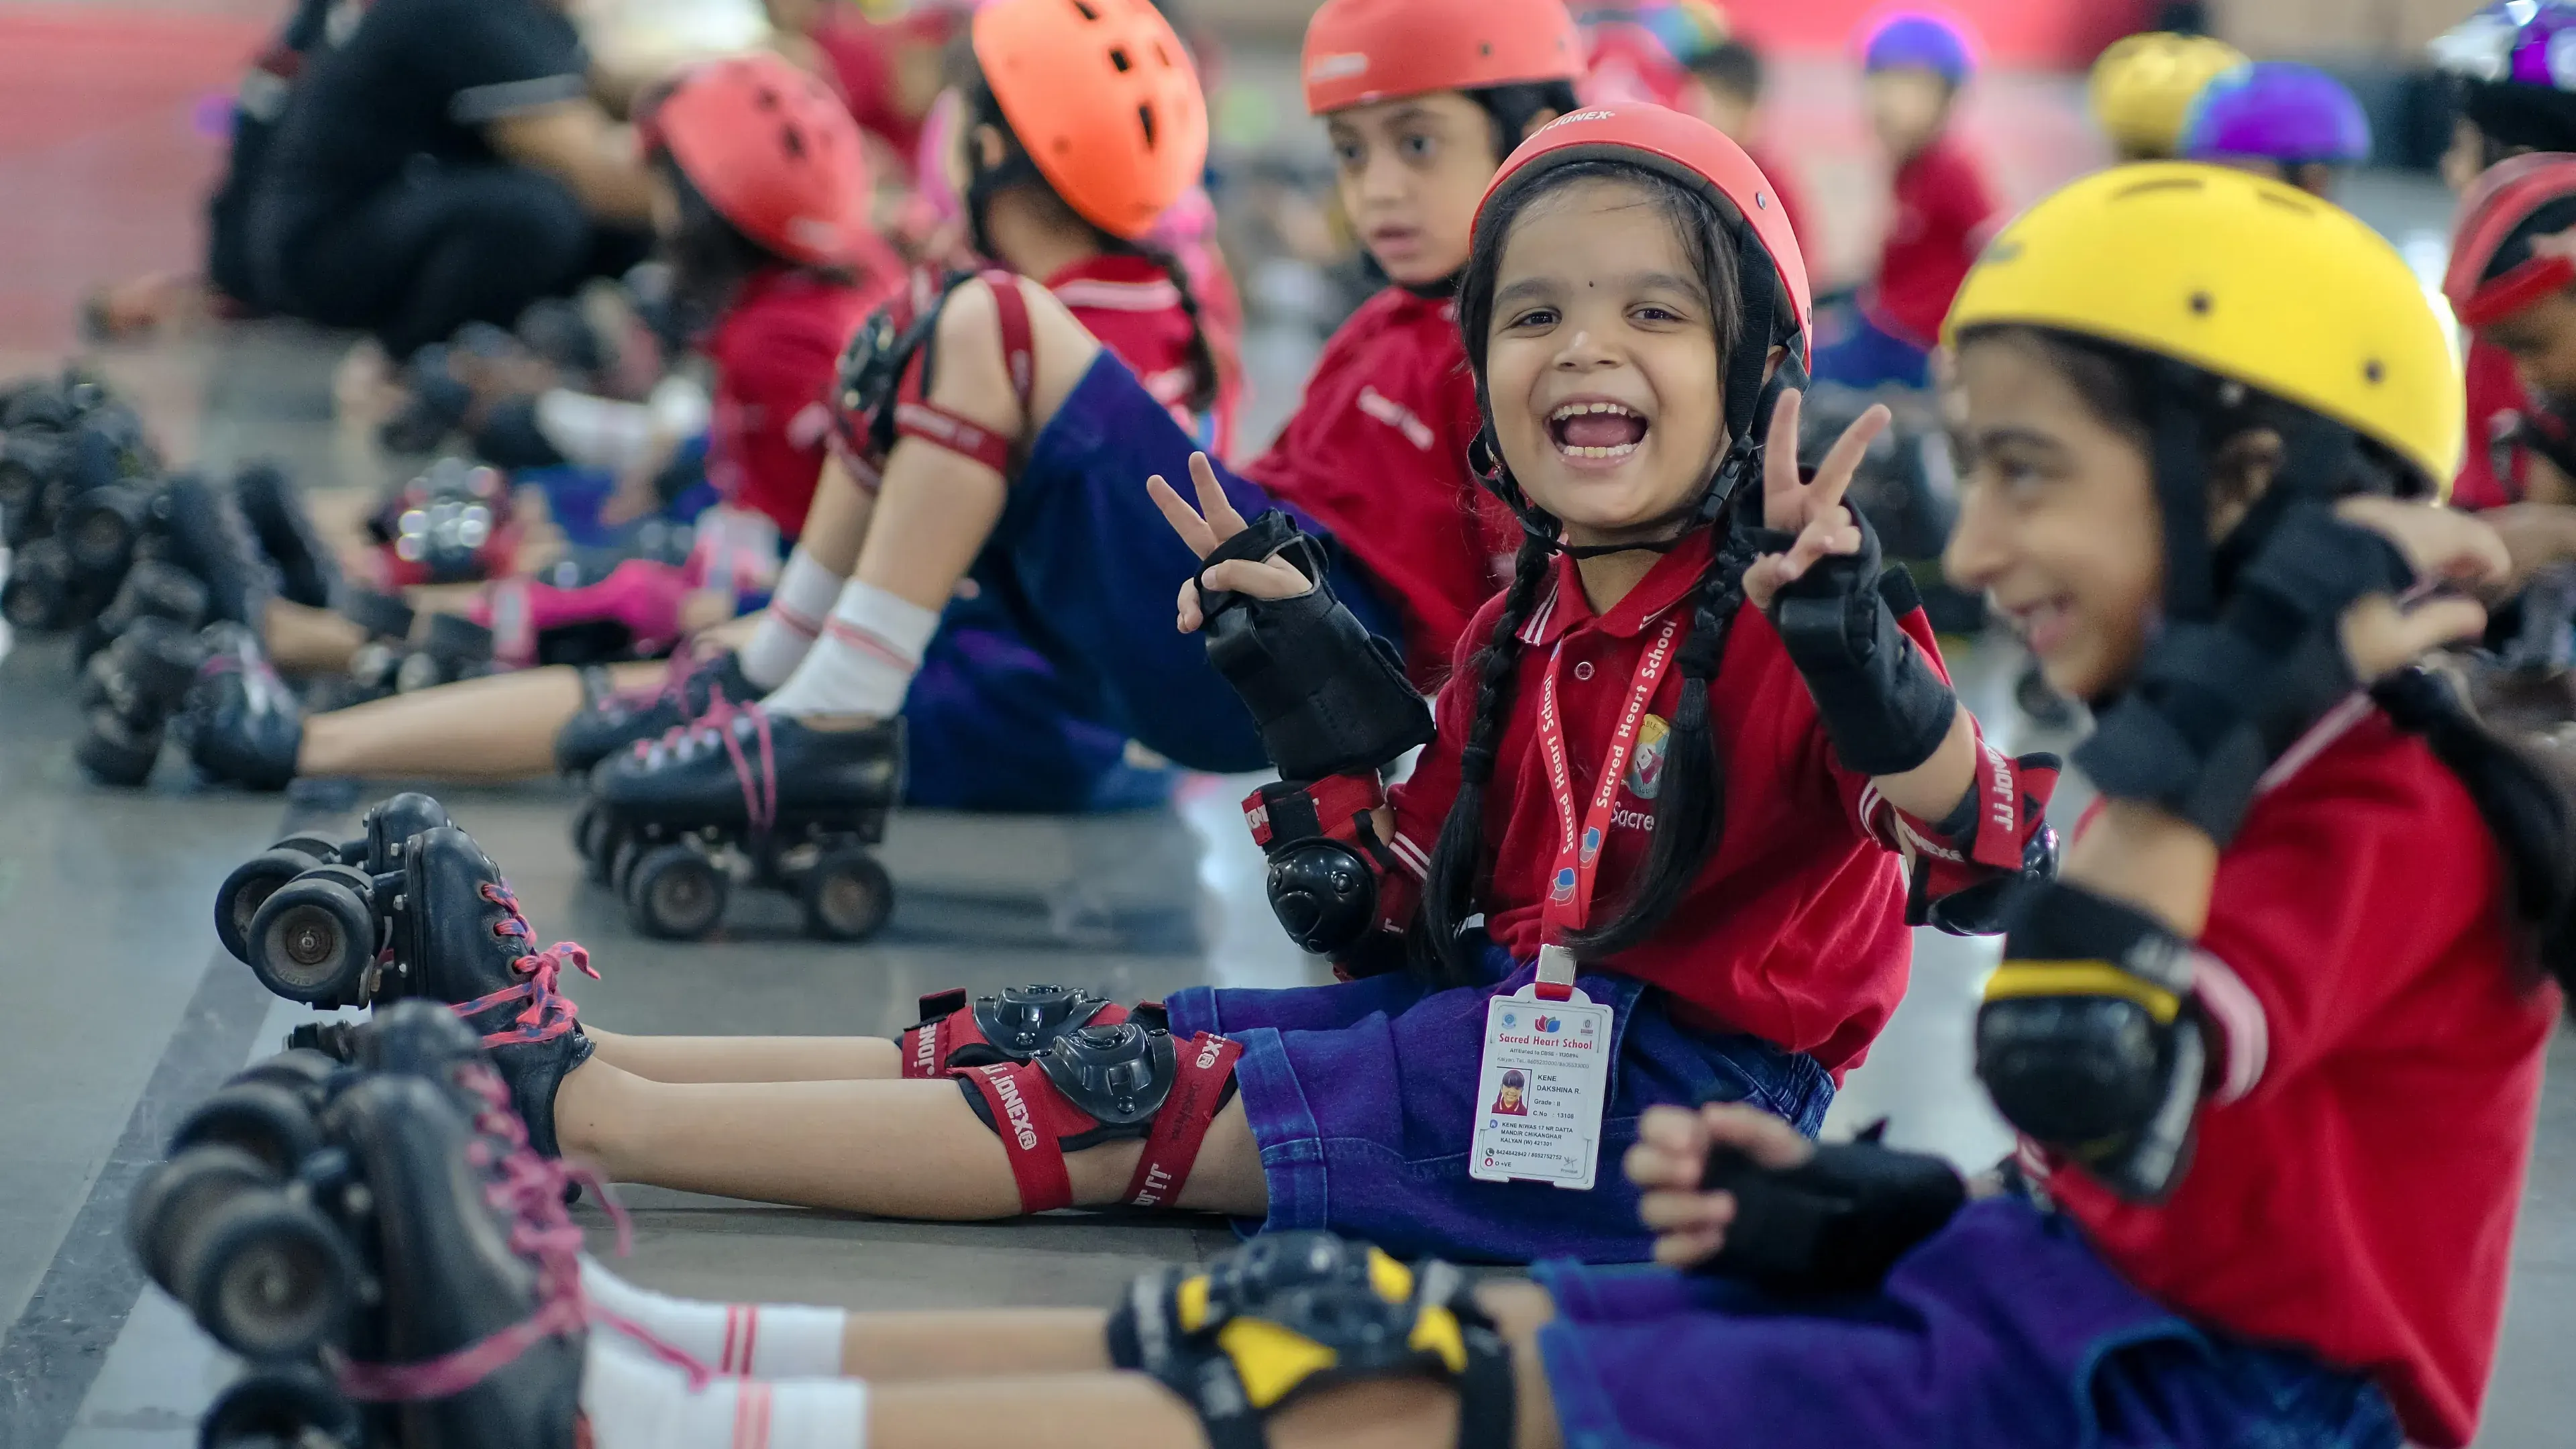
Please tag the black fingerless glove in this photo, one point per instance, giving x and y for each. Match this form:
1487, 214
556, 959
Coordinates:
2217, 703
1884, 706
1835, 1224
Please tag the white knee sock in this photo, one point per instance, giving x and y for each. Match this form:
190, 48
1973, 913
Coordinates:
767, 1340
636, 1401
870, 649
797, 608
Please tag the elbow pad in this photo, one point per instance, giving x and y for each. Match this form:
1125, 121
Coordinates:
2089, 1040
1329, 698
1327, 866
1966, 866
1834, 1224
1883, 705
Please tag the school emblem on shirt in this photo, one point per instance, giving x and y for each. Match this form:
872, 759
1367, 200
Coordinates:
1646, 768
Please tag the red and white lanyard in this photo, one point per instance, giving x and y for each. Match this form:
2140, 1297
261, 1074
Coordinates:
1578, 852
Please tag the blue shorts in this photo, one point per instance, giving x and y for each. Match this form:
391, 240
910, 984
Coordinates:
2002, 1331
1866, 356
1090, 572
1362, 1097
990, 725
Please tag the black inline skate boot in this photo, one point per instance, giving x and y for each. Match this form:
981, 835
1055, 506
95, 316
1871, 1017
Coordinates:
44, 592
242, 724
444, 928
308, 572
612, 723
478, 1333
386, 831
745, 793
129, 691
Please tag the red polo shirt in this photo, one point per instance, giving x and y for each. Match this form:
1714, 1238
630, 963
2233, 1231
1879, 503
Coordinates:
2360, 1162
1130, 304
1795, 929
1943, 214
2495, 405
1377, 453
774, 353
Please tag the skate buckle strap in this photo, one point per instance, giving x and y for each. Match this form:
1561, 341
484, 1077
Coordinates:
1206, 1064
1038, 1123
550, 1013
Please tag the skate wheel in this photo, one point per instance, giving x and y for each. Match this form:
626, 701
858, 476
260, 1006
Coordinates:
313, 939
848, 896
322, 848
267, 1120
621, 861
115, 755
301, 1070
267, 1275
248, 888
179, 1193
674, 893
594, 836
281, 1406
100, 528
38, 597
332, 1041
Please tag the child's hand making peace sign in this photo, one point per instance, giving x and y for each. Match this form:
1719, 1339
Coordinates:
1212, 523
1812, 511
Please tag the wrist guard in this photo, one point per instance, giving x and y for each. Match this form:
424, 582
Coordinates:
1966, 865
1329, 698
1834, 1224
2089, 1041
1884, 706
1289, 1312
2217, 703
1329, 873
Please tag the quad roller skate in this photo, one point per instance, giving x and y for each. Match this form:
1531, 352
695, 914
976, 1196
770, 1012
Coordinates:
242, 725
451, 648
611, 723
451, 525
129, 692
748, 797
388, 828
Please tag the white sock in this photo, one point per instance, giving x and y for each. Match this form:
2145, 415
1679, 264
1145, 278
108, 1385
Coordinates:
870, 649
763, 1340
797, 608
636, 1401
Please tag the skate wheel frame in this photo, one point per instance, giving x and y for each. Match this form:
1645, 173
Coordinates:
675, 882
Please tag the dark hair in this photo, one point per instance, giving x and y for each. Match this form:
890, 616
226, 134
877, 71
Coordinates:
1513, 108
967, 74
1513, 1078
1689, 811
2526, 802
1733, 67
710, 256
2512, 118
2552, 218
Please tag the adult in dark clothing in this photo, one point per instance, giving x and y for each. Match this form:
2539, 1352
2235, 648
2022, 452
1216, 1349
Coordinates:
442, 162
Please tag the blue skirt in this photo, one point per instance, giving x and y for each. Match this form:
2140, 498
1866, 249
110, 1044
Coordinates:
2003, 1331
1362, 1096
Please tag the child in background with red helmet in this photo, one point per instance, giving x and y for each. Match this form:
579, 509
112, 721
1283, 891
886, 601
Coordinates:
1942, 206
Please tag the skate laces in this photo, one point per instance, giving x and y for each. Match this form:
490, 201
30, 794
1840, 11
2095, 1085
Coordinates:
726, 724
529, 1192
549, 1013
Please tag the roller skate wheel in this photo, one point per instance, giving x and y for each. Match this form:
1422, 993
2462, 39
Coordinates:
267, 1275
674, 893
280, 1408
114, 754
621, 861
304, 1071
267, 1120
848, 896
99, 531
178, 1194
322, 848
313, 939
250, 885
418, 672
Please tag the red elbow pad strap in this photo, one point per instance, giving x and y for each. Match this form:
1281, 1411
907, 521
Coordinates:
1039, 1121
914, 415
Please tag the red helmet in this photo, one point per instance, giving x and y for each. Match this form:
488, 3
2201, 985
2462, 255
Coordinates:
1699, 156
2510, 193
772, 150
1360, 51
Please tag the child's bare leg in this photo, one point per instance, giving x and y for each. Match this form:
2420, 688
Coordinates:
836, 522
891, 1148
750, 1058
301, 639
501, 727
971, 1343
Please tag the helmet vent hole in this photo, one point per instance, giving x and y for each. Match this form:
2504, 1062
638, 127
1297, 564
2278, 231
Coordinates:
792, 141
1145, 118
768, 98
1087, 12
2372, 372
1118, 58
1162, 55
2201, 304
1485, 48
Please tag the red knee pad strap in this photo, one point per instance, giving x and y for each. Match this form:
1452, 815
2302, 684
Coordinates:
1038, 1122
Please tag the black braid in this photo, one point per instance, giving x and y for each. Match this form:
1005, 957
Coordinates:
1205, 371
1458, 866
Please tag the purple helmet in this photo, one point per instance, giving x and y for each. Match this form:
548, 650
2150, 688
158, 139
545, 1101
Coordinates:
1912, 38
2280, 111
2516, 63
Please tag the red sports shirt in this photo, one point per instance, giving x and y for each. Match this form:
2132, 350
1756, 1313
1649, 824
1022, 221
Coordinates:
1130, 304
1944, 213
2496, 403
2361, 1159
774, 354
1377, 453
1795, 930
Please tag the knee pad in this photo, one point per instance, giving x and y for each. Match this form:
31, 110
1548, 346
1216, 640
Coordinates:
1099, 1084
955, 1034
1289, 1312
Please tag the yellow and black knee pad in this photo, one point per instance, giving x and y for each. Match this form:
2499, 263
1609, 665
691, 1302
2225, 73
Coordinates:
1293, 1312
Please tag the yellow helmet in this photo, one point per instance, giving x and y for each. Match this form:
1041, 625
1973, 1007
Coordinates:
2143, 88
2243, 278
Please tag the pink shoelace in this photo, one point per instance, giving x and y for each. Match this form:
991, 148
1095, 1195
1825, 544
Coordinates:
719, 725
531, 1192
673, 687
549, 1013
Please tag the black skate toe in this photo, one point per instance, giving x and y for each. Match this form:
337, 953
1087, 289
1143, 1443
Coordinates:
618, 722
242, 724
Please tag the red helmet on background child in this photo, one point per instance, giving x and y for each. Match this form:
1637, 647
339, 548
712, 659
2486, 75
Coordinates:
772, 150
1363, 51
2508, 195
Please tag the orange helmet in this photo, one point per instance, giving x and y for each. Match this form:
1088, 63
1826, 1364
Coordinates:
1360, 51
1103, 98
772, 150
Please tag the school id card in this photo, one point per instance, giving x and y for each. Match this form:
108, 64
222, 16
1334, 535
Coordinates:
1542, 1091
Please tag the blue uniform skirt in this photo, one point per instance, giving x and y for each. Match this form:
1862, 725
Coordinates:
2003, 1331
1362, 1097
